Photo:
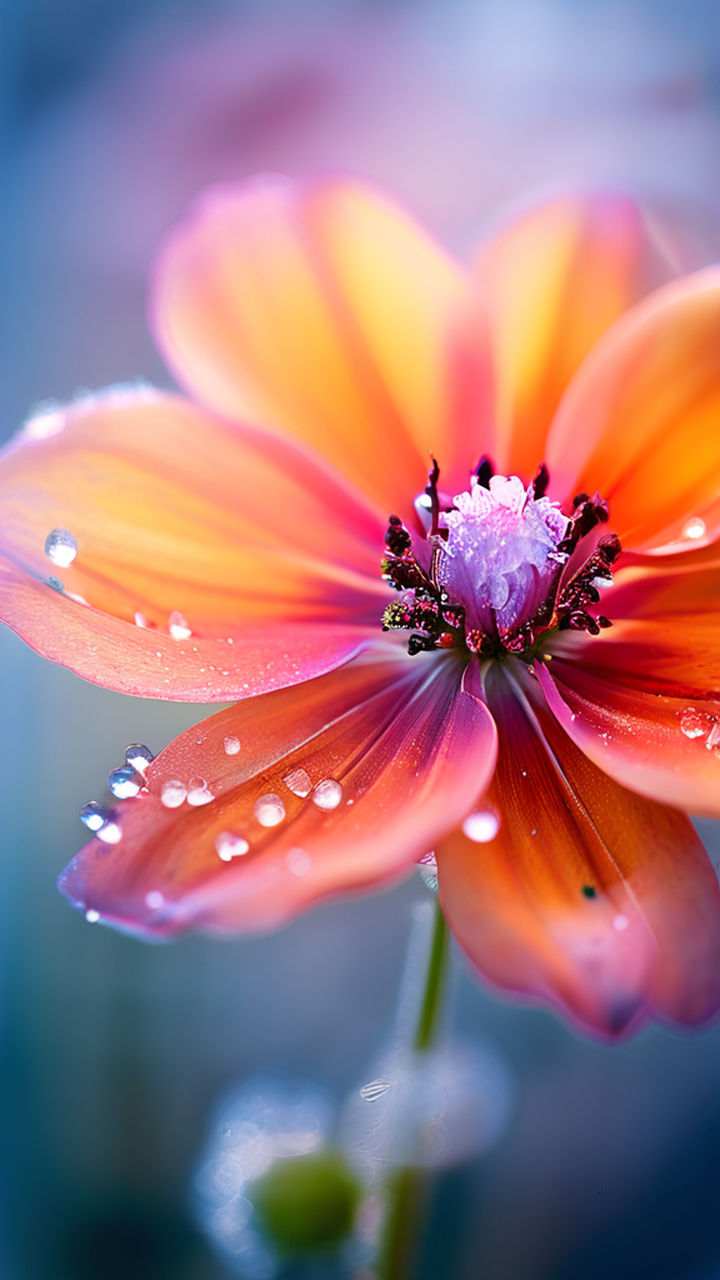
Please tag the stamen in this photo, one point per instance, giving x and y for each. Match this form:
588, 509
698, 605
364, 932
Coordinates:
431, 490
541, 482
484, 471
487, 574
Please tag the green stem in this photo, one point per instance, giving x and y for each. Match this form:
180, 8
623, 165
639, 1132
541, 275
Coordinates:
434, 989
407, 1187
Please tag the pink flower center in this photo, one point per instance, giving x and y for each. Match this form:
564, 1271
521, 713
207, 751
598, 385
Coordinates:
500, 558
495, 568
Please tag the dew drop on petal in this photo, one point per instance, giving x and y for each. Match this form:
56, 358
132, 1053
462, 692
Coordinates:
695, 724
139, 619
110, 832
232, 746
327, 794
93, 815
481, 827
269, 810
298, 781
375, 1089
229, 846
427, 866
92, 916
61, 547
138, 756
298, 862
178, 626
198, 792
712, 742
124, 782
694, 529
173, 793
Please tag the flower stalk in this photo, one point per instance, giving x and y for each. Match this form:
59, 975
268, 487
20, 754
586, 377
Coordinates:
406, 1192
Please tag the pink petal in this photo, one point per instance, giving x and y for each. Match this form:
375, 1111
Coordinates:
401, 751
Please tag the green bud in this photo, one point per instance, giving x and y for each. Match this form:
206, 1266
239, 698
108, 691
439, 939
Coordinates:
307, 1203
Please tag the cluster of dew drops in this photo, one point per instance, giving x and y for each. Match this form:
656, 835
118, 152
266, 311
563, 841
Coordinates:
61, 547
128, 780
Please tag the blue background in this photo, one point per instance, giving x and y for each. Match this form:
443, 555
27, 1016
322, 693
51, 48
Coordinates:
114, 1053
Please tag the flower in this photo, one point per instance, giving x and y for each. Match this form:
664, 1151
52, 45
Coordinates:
529, 681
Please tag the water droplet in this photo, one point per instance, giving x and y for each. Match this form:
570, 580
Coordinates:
178, 626
427, 866
138, 756
155, 899
620, 923
712, 742
94, 815
327, 794
110, 832
481, 827
232, 746
695, 724
173, 793
124, 782
92, 916
56, 584
694, 529
298, 862
229, 846
298, 781
61, 547
375, 1089
198, 792
48, 420
269, 810
140, 619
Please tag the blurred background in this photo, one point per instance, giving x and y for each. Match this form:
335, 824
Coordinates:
115, 1054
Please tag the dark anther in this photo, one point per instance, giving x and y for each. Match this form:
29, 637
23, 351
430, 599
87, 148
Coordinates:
609, 547
603, 622
431, 490
588, 513
589, 891
420, 644
397, 538
541, 481
484, 471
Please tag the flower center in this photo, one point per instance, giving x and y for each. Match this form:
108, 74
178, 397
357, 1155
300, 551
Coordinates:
496, 567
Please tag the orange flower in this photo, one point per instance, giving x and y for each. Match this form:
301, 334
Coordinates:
533, 745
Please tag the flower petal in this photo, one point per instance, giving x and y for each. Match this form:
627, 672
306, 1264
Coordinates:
589, 898
637, 700
408, 749
640, 421
323, 310
269, 558
553, 283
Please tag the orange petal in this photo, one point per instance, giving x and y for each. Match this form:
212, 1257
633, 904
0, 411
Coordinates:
654, 587
640, 422
589, 898
642, 703
325, 311
553, 283
270, 559
395, 753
